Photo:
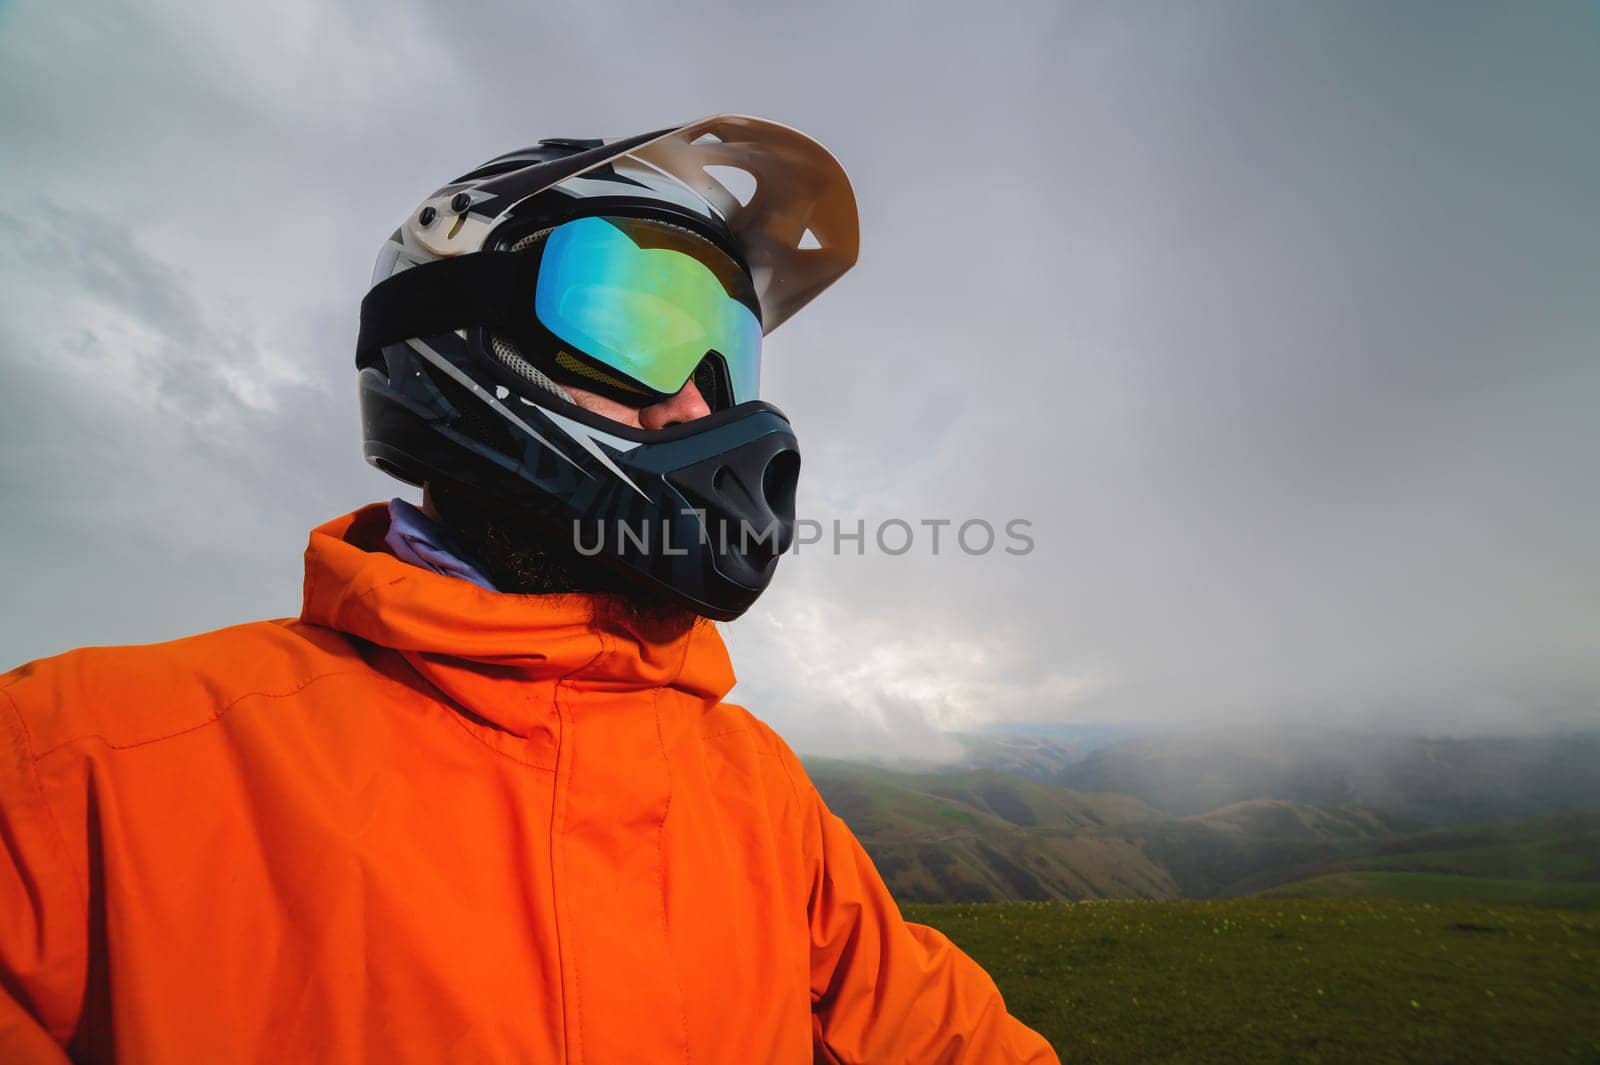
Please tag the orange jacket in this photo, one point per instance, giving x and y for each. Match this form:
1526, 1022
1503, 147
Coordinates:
427, 822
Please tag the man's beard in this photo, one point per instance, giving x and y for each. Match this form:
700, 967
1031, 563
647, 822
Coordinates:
525, 551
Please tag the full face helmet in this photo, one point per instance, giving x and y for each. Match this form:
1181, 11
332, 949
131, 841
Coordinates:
626, 267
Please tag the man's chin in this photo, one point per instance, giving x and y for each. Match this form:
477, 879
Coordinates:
527, 561
525, 552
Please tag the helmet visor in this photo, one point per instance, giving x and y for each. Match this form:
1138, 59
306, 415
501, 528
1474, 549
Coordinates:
649, 301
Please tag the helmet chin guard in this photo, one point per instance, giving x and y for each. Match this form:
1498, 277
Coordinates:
701, 510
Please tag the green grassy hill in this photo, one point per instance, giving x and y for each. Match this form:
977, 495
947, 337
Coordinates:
1562, 847
1442, 887
1286, 820
1211, 854
986, 836
1545, 861
1248, 981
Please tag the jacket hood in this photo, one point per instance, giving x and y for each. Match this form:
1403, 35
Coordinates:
482, 648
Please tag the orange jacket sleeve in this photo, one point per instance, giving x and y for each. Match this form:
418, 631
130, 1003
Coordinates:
22, 1041
40, 908
883, 990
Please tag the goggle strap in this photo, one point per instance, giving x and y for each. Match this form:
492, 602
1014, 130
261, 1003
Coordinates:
479, 289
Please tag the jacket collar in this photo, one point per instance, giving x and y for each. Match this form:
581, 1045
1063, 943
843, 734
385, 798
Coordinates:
447, 627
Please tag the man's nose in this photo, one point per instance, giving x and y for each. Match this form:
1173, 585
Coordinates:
684, 406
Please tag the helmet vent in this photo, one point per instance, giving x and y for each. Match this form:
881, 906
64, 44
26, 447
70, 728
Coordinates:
512, 360
740, 183
528, 240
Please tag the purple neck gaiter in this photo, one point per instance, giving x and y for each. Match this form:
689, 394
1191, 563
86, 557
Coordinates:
421, 541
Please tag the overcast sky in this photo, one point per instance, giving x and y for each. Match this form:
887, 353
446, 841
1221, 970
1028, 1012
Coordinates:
1279, 322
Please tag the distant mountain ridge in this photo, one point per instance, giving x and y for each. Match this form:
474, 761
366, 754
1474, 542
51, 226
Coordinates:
1419, 782
1206, 816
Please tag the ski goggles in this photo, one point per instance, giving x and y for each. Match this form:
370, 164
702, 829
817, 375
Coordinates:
647, 302
632, 308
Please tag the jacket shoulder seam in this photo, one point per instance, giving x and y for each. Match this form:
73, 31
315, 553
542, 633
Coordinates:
788, 774
763, 737
216, 716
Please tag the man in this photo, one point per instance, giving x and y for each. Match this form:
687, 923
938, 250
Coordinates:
482, 801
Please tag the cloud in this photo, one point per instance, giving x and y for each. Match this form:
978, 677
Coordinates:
1277, 324
150, 443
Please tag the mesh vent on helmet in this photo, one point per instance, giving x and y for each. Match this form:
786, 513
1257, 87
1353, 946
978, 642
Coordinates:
565, 360
512, 359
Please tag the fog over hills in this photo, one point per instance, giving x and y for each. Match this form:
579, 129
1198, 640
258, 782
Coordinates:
1060, 813
1420, 781
983, 835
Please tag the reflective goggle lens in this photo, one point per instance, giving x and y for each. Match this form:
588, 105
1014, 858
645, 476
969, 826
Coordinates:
646, 300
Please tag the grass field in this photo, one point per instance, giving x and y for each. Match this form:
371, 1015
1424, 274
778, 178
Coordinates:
1244, 981
1432, 887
